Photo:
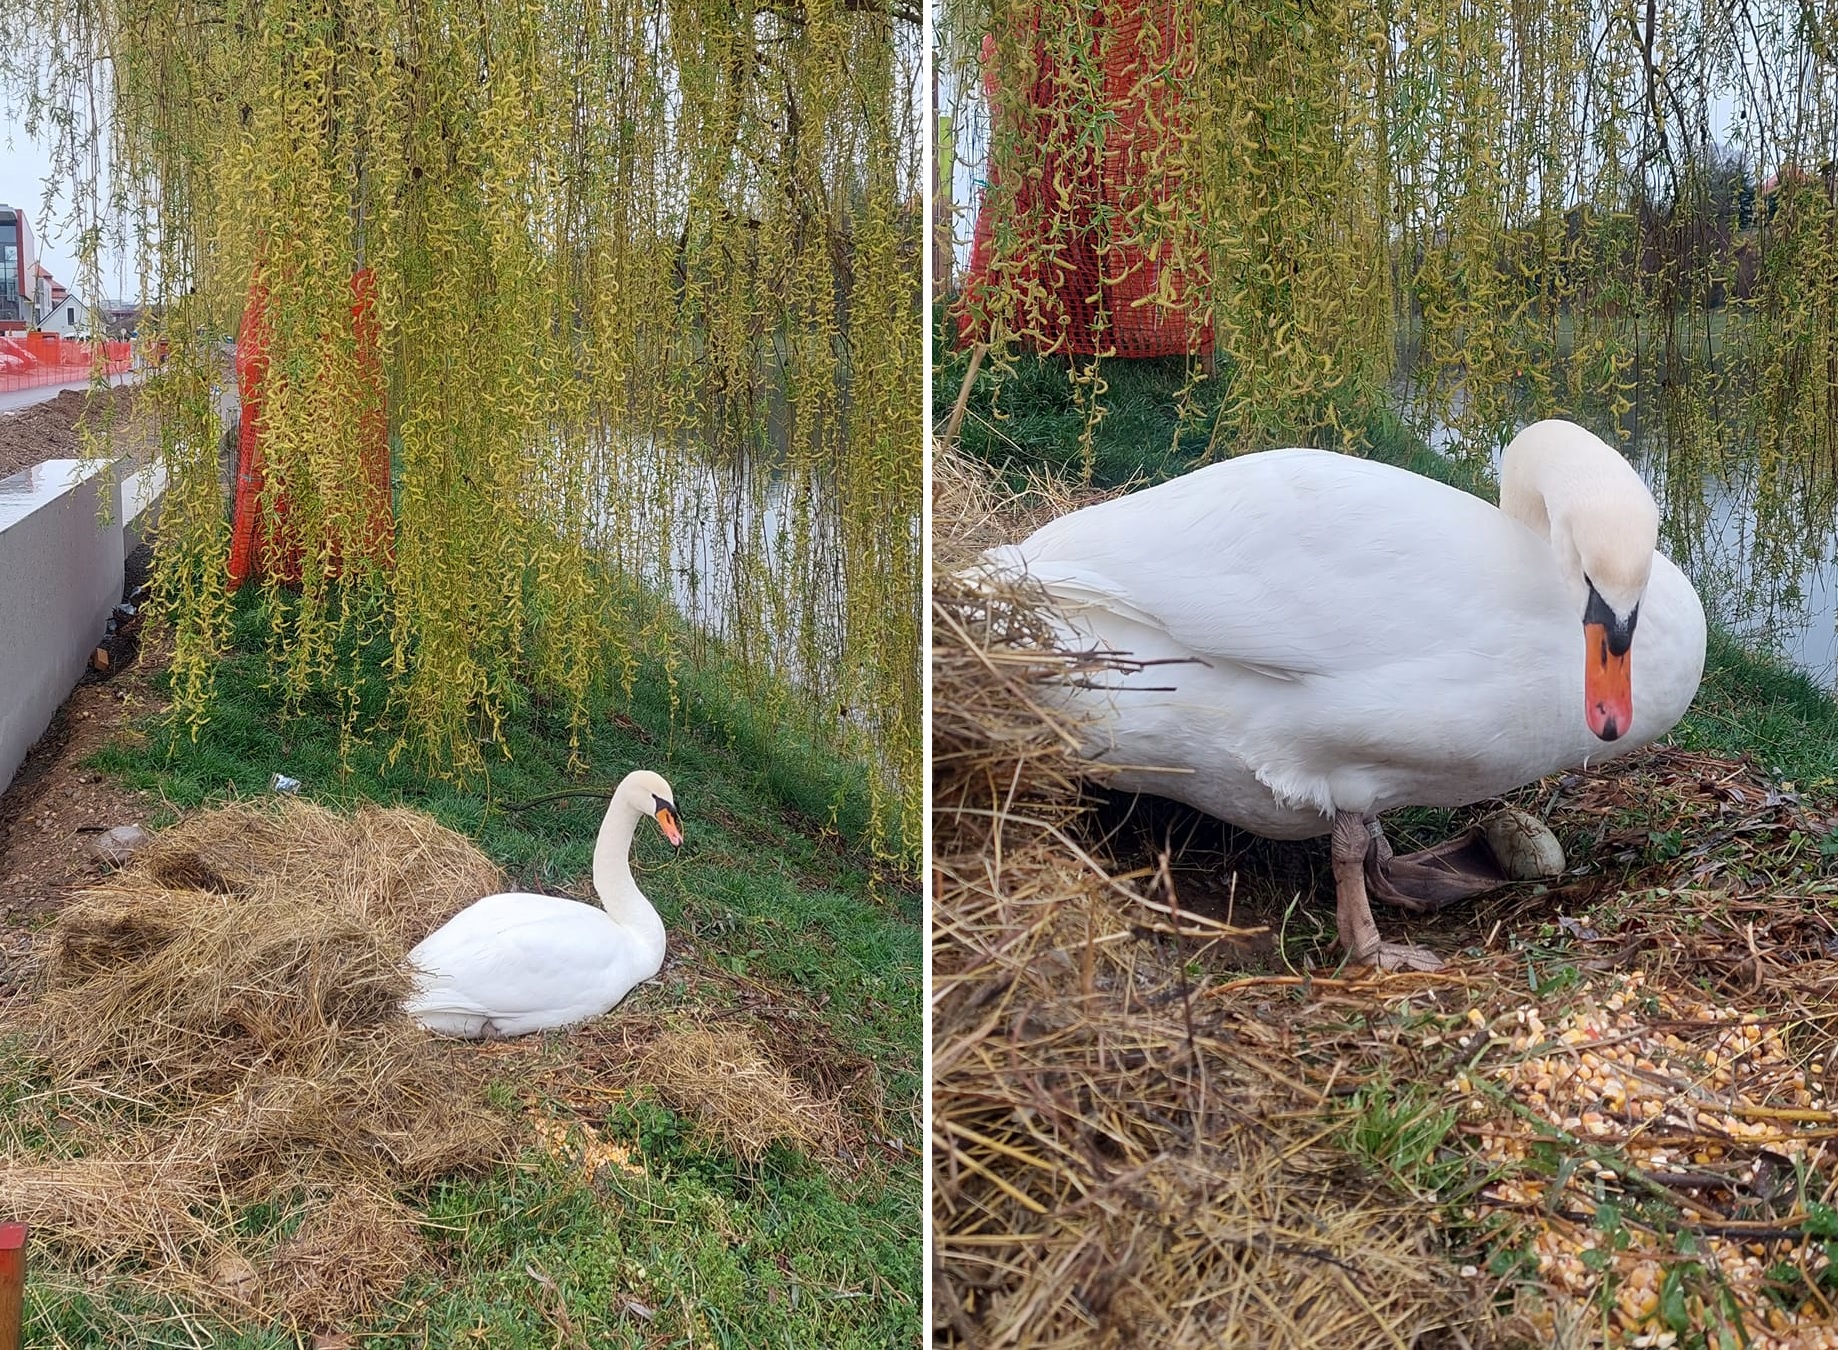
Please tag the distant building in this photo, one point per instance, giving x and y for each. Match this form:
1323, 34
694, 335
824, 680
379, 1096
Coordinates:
43, 284
67, 316
121, 320
54, 309
17, 263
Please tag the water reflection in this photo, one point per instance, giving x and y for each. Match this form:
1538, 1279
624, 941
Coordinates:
747, 542
741, 541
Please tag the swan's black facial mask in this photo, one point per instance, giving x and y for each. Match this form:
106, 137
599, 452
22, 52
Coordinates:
667, 821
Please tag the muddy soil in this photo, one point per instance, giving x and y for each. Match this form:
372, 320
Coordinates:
53, 429
55, 808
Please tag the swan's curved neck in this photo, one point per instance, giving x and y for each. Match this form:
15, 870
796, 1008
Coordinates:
613, 881
1523, 486
1583, 498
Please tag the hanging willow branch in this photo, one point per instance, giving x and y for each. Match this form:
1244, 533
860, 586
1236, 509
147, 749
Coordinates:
1470, 212
645, 282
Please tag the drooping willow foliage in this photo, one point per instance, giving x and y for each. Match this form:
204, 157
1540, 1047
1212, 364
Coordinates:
622, 250
1467, 212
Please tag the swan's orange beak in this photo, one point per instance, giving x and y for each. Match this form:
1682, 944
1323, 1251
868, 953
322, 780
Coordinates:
1608, 685
666, 821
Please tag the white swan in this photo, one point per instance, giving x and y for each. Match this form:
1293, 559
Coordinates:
515, 963
1349, 637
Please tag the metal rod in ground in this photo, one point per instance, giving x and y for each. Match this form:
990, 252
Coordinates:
12, 1284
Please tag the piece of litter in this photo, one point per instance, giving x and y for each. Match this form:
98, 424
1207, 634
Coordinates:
114, 847
280, 782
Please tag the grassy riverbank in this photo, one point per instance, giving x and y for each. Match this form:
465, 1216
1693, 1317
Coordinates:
781, 924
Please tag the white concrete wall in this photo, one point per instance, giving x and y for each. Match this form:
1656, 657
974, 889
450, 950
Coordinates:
60, 576
141, 494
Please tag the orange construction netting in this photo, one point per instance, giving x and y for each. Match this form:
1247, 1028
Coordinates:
34, 359
1066, 286
260, 536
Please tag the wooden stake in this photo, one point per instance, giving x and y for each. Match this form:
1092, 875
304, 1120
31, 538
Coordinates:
957, 411
12, 1284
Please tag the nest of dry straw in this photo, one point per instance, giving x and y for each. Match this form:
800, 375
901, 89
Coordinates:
1115, 1161
733, 1090
221, 1028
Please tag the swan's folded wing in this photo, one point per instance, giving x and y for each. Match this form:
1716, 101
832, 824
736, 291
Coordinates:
489, 964
1288, 563
1072, 586
1079, 592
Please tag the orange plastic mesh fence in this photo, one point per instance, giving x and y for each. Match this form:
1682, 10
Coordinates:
1068, 285
249, 532
260, 536
32, 360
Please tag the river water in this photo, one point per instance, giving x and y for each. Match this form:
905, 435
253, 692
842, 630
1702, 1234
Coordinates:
748, 546
742, 544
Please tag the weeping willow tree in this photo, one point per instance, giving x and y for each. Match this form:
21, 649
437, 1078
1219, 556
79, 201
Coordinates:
617, 251
1468, 213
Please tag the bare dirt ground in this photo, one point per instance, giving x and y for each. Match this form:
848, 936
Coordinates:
55, 807
53, 429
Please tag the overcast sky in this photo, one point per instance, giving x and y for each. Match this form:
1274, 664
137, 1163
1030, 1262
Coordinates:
24, 165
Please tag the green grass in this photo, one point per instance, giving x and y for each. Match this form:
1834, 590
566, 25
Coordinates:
774, 883
1027, 421
1403, 1133
773, 1257
1037, 425
1750, 703
698, 1251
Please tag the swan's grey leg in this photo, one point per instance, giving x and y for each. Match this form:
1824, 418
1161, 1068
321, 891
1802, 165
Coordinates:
1359, 936
1352, 912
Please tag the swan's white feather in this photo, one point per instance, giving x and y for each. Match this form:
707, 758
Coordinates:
516, 962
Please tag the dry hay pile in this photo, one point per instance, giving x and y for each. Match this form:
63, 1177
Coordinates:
725, 1083
1115, 1161
220, 1023
1613, 1129
390, 867
735, 1093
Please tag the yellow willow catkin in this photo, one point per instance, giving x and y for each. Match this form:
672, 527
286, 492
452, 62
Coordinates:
617, 246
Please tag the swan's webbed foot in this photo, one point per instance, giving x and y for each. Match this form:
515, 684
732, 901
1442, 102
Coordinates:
1511, 845
1358, 934
1400, 956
